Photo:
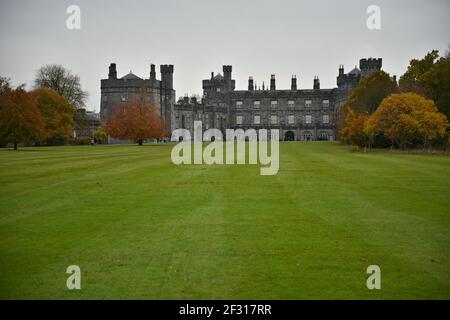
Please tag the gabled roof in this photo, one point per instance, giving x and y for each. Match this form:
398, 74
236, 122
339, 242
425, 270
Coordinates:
131, 76
218, 76
355, 71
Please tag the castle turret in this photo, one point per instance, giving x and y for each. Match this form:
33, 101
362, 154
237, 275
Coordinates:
316, 85
112, 71
367, 66
294, 82
227, 72
272, 82
167, 75
227, 76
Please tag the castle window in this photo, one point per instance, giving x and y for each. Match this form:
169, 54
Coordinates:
326, 103
273, 119
325, 118
291, 103
273, 103
308, 103
218, 89
123, 98
308, 119
105, 98
291, 119
238, 104
238, 119
256, 104
256, 120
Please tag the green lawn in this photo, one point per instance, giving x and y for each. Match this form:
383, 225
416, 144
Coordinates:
140, 227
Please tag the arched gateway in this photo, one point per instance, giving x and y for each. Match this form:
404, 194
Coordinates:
289, 136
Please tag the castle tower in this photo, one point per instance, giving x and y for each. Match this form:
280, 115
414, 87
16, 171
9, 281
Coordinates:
167, 75
227, 75
367, 66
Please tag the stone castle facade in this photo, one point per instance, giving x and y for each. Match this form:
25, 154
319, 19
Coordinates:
299, 114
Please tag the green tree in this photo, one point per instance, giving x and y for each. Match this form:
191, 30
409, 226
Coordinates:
410, 80
101, 134
370, 91
436, 85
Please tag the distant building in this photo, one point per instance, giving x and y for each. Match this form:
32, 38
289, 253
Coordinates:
86, 122
299, 114
159, 93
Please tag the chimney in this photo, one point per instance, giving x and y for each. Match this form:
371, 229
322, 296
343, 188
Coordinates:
212, 75
341, 69
152, 72
112, 71
316, 83
294, 82
250, 83
272, 82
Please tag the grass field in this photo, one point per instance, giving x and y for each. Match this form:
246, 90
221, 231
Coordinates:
140, 227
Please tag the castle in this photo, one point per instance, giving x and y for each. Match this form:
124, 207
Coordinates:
299, 114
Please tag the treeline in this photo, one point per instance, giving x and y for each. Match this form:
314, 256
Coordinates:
43, 115
413, 113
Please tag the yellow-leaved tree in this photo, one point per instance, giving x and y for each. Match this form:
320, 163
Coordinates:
406, 117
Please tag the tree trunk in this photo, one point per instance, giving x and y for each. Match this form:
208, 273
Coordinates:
15, 145
140, 142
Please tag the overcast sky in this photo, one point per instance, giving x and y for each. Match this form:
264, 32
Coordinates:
258, 38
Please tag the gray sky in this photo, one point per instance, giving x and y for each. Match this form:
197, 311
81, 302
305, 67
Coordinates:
258, 38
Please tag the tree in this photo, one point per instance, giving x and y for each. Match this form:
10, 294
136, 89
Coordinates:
430, 77
436, 85
20, 119
432, 125
135, 120
4, 85
405, 117
370, 91
355, 129
61, 80
101, 134
57, 112
410, 80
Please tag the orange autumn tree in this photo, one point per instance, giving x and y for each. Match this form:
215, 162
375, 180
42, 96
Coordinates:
405, 117
136, 120
57, 112
20, 119
356, 129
